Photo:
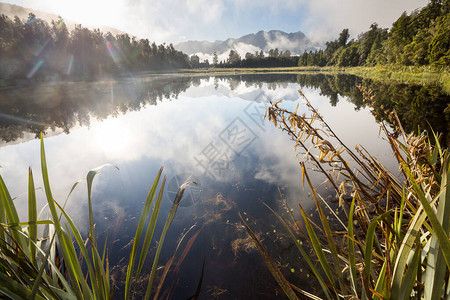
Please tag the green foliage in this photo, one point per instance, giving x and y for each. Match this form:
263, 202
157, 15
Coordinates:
30, 267
349, 56
421, 38
439, 46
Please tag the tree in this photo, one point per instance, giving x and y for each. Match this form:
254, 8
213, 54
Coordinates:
60, 33
349, 56
274, 52
233, 58
439, 47
215, 59
343, 37
195, 61
286, 53
249, 55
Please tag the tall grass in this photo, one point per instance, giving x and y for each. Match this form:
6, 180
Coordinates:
61, 264
396, 227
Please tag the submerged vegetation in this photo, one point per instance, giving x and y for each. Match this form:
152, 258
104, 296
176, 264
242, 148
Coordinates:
60, 264
391, 241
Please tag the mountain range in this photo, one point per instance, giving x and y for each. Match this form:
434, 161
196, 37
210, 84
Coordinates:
295, 42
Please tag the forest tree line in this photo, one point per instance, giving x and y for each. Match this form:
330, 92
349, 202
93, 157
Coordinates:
34, 49
420, 38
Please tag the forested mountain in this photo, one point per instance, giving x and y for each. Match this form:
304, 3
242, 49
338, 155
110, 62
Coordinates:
419, 38
32, 49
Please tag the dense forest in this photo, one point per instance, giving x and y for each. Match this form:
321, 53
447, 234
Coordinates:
420, 38
34, 49
37, 51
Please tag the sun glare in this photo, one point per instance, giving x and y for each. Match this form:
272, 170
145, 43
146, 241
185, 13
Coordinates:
90, 13
111, 136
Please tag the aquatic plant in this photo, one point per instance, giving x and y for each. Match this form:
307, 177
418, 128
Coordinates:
61, 264
395, 227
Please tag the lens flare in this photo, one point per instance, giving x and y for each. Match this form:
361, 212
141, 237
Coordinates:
69, 65
35, 69
112, 52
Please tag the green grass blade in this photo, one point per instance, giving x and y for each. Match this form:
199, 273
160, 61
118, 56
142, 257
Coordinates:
402, 210
99, 281
326, 227
436, 267
351, 248
150, 229
273, 268
11, 214
15, 290
102, 280
75, 266
410, 276
60, 276
404, 251
140, 228
441, 235
304, 254
380, 287
84, 251
32, 217
172, 212
369, 244
318, 248
74, 274
89, 179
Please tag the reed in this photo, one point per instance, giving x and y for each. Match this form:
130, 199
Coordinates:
396, 227
61, 264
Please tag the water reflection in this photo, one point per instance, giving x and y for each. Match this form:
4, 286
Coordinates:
28, 110
211, 130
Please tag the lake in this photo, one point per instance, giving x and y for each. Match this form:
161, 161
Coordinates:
209, 129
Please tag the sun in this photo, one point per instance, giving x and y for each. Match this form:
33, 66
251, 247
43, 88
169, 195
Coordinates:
90, 13
112, 137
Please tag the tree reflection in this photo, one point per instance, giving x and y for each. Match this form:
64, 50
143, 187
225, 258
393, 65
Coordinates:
62, 106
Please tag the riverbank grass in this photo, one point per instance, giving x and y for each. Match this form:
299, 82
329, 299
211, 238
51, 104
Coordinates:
391, 241
60, 263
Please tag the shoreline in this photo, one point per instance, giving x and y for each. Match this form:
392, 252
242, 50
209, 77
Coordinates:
400, 74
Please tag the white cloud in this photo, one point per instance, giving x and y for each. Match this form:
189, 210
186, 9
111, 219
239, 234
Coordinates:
327, 18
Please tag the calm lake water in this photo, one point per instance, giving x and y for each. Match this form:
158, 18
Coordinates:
204, 128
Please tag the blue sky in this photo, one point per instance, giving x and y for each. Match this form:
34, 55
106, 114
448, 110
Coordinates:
173, 21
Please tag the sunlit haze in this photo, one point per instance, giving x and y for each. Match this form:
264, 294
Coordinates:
173, 21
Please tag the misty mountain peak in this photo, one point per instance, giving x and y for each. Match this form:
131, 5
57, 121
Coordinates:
295, 42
